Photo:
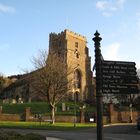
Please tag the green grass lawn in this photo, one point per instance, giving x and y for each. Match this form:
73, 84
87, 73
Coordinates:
44, 125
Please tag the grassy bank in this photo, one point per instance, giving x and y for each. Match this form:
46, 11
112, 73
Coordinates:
36, 107
43, 108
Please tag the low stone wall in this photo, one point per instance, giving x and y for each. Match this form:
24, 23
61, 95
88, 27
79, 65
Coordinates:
10, 117
58, 118
125, 115
67, 119
114, 117
121, 116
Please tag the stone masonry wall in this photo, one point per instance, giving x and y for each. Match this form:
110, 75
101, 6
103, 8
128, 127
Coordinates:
121, 116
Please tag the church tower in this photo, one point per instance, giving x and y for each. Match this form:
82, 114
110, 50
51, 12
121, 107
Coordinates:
74, 49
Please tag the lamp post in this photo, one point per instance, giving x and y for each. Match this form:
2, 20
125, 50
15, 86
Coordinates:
75, 109
82, 108
75, 90
131, 115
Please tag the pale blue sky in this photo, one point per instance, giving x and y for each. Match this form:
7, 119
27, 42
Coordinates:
25, 26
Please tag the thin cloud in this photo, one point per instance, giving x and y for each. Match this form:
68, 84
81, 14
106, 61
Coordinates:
6, 9
120, 3
109, 7
101, 5
111, 52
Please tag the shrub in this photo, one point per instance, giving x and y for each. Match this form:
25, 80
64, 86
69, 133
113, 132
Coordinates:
11, 135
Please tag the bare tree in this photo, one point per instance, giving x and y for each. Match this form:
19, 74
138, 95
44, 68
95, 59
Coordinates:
138, 73
50, 78
2, 82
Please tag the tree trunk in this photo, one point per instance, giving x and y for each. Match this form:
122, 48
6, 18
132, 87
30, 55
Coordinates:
53, 114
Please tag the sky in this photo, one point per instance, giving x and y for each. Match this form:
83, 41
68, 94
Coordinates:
25, 26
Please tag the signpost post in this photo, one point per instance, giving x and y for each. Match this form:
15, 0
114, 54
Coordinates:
98, 63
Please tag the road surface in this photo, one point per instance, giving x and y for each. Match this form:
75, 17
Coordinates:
115, 132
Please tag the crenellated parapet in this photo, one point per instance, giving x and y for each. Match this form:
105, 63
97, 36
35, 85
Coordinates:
56, 36
76, 35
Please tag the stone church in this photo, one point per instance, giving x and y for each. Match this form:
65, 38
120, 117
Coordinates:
73, 47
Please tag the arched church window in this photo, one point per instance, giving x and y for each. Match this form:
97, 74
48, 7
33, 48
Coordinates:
77, 79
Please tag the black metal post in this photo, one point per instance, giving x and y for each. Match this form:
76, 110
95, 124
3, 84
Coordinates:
98, 64
75, 109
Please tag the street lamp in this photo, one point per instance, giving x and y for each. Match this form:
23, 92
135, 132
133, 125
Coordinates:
82, 108
75, 91
131, 115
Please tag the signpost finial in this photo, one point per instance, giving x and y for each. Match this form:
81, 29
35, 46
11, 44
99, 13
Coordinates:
97, 38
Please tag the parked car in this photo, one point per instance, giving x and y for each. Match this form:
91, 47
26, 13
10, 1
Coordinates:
138, 123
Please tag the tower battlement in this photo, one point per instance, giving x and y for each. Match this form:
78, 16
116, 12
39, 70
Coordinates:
76, 35
67, 32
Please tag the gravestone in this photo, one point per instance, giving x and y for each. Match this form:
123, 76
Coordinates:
63, 107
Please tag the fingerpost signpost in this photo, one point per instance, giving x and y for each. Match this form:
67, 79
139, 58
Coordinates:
98, 64
112, 77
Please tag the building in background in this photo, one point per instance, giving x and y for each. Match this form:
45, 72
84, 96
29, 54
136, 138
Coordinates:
73, 48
